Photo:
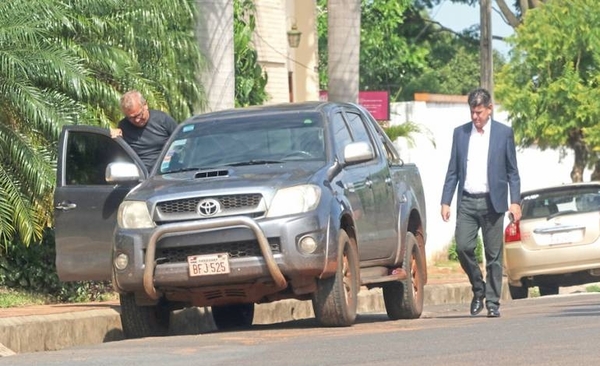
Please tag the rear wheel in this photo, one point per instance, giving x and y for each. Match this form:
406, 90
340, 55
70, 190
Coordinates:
336, 298
518, 292
144, 321
233, 316
404, 299
546, 290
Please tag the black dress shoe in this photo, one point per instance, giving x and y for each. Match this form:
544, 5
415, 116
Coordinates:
476, 305
493, 313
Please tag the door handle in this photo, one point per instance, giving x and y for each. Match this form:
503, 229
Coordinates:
66, 206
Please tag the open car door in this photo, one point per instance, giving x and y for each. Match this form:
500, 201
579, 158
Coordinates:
85, 205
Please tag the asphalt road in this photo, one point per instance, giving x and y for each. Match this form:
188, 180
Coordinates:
554, 330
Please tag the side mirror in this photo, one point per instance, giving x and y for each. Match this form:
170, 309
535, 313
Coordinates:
122, 172
358, 152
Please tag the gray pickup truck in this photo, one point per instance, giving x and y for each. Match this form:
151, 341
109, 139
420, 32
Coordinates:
308, 201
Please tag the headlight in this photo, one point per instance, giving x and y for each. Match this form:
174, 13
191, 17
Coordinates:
294, 200
134, 215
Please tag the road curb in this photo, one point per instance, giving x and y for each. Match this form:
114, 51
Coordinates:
57, 331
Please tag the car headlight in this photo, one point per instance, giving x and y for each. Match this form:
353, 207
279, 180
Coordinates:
134, 215
294, 200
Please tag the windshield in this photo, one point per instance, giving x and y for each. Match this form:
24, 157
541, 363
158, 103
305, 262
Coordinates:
265, 139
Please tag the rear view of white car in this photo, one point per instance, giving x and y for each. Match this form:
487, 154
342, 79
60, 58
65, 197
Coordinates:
557, 241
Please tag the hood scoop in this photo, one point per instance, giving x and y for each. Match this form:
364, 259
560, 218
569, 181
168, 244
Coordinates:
212, 174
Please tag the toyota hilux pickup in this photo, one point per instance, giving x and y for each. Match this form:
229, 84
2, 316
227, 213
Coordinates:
307, 201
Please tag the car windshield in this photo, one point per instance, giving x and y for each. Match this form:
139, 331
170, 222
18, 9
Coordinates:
571, 200
250, 140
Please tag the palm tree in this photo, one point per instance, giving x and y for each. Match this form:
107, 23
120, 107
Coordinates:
343, 47
214, 31
407, 131
67, 63
148, 45
34, 74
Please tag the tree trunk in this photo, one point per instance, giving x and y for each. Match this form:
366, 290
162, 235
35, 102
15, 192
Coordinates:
214, 31
596, 172
581, 154
343, 47
485, 46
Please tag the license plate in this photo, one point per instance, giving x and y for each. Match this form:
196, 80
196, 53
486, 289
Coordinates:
566, 237
208, 264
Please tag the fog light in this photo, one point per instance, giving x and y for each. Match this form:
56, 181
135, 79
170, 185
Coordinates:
307, 245
121, 261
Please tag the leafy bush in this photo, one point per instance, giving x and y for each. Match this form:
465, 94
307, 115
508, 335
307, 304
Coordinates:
593, 288
453, 255
32, 268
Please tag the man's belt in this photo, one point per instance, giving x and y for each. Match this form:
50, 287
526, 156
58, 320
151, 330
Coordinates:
476, 195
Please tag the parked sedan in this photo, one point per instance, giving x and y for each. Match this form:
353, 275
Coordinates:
556, 242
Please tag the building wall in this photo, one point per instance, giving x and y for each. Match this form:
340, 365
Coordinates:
273, 19
537, 168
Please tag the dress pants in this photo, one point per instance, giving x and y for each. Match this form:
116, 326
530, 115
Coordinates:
476, 213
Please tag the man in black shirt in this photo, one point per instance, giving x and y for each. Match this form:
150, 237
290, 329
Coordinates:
145, 130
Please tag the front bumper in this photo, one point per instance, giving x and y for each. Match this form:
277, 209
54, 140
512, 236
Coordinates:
261, 252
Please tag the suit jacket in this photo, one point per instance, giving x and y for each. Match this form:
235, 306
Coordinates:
502, 170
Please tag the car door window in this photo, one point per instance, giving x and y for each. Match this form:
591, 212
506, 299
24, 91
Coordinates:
359, 131
341, 134
87, 156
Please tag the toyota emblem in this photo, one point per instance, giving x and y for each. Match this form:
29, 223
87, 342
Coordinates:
208, 207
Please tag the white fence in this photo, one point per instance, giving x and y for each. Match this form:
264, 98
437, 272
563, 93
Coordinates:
537, 168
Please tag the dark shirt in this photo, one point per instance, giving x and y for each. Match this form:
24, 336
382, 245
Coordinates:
148, 141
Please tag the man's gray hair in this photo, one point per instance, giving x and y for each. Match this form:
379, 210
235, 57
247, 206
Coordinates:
479, 96
131, 97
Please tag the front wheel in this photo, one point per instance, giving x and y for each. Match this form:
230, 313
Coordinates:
518, 292
404, 299
336, 299
546, 290
144, 321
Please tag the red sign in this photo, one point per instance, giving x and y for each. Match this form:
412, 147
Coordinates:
376, 102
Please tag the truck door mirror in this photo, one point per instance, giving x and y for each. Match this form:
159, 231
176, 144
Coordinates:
121, 172
358, 152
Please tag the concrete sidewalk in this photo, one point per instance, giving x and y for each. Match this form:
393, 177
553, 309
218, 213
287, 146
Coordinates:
54, 327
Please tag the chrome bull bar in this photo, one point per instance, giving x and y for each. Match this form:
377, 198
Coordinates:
150, 258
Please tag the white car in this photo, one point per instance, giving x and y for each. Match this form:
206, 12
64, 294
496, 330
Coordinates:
556, 242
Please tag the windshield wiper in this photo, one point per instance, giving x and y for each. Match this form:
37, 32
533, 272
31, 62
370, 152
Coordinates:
254, 162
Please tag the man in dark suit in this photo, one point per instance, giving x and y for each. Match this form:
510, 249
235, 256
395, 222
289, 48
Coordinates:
483, 163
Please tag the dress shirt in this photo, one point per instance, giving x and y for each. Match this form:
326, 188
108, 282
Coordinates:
477, 160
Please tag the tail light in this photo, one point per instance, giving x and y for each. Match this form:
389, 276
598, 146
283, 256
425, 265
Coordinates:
512, 233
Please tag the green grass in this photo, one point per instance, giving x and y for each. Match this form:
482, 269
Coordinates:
593, 288
13, 298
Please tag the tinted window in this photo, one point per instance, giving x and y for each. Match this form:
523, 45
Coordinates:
341, 135
88, 154
359, 131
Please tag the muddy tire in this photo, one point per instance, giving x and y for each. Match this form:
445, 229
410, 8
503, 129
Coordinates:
336, 299
144, 321
518, 292
404, 299
233, 316
546, 290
